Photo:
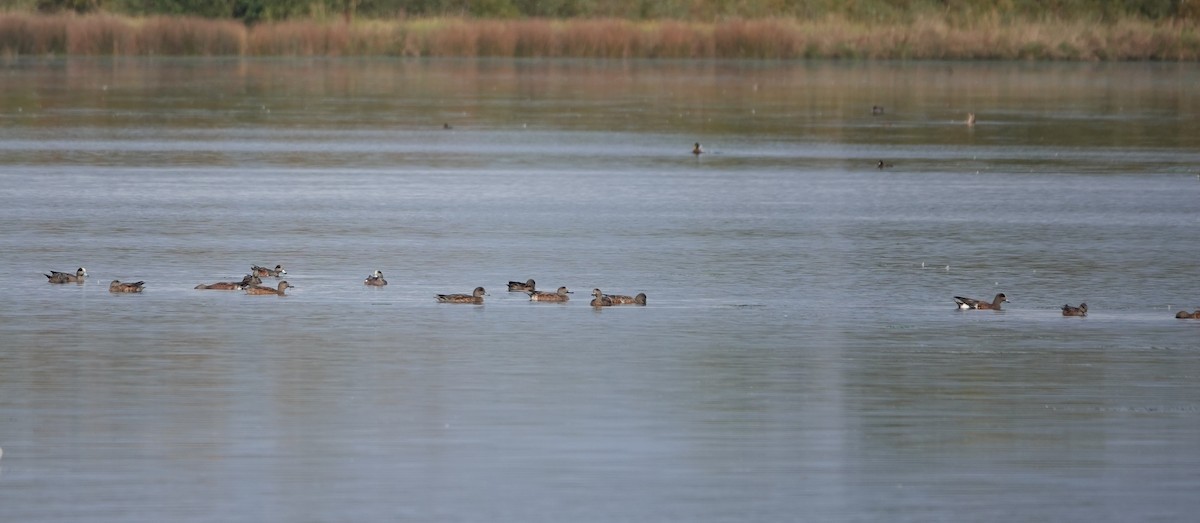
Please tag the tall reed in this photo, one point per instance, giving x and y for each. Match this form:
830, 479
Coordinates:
989, 36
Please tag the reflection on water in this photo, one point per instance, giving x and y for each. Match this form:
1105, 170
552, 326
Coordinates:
800, 352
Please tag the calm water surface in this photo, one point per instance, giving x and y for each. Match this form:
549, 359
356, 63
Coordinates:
800, 357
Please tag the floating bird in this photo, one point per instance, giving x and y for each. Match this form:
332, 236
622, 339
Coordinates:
263, 271
259, 290
876, 109
970, 119
1068, 310
117, 286
969, 303
603, 300
247, 281
882, 165
560, 295
446, 126
375, 280
66, 277
1183, 315
697, 150
600, 299
474, 297
516, 286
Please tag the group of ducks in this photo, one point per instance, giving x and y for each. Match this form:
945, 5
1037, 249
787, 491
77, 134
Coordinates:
252, 284
1067, 309
530, 287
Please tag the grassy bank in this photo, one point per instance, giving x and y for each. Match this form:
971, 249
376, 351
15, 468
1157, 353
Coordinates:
985, 38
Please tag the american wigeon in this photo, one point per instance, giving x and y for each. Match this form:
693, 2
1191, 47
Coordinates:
697, 150
247, 281
1068, 310
66, 277
516, 286
600, 299
603, 300
560, 295
970, 119
117, 286
474, 297
259, 290
375, 279
263, 271
969, 303
1185, 315
884, 165
876, 109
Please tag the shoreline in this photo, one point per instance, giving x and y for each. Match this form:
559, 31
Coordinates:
930, 38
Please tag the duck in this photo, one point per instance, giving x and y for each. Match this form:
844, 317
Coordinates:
970, 303
247, 281
263, 271
876, 109
884, 165
1185, 315
475, 297
516, 286
117, 286
375, 279
259, 290
617, 299
559, 296
697, 150
600, 299
970, 120
1068, 310
66, 277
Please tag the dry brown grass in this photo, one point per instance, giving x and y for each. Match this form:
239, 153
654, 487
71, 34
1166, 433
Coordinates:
988, 37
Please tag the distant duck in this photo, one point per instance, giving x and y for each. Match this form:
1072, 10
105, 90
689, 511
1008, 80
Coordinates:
560, 295
969, 303
1185, 315
117, 286
474, 297
516, 286
263, 271
604, 300
447, 126
876, 109
375, 280
970, 119
66, 277
259, 290
697, 150
884, 165
249, 280
1068, 310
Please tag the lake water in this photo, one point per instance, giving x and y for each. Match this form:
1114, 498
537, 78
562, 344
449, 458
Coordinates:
800, 357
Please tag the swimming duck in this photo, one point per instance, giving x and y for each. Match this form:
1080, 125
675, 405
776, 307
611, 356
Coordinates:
876, 109
969, 303
474, 297
375, 280
560, 295
117, 286
263, 271
600, 299
1068, 310
617, 299
516, 286
259, 290
882, 165
1183, 315
66, 277
697, 150
247, 281
970, 119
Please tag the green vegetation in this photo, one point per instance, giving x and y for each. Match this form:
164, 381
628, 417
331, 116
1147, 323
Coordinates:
757, 29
